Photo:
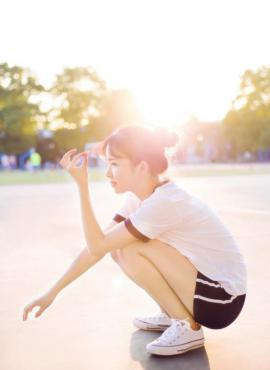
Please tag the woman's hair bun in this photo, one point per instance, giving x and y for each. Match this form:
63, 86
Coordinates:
165, 138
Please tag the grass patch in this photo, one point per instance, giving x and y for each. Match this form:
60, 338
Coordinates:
18, 177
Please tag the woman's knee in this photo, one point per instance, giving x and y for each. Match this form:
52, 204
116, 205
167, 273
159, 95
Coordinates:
129, 252
124, 252
120, 253
114, 255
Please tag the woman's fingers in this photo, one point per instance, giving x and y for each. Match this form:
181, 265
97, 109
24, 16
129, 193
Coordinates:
39, 312
75, 158
25, 313
69, 152
85, 160
26, 310
65, 160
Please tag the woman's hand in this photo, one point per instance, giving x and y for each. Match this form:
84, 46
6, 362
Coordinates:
80, 174
43, 302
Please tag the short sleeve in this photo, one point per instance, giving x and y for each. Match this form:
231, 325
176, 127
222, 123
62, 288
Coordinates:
152, 218
130, 204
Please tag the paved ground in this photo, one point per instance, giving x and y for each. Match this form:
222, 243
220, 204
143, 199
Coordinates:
89, 326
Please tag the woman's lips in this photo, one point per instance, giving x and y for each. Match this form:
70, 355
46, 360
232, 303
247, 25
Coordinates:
113, 183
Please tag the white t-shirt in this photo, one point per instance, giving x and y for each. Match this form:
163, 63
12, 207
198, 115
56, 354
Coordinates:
181, 220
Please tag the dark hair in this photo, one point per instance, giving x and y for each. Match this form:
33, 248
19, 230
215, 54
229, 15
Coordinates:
140, 143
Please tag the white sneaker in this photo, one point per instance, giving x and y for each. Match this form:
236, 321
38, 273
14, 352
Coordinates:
177, 339
160, 321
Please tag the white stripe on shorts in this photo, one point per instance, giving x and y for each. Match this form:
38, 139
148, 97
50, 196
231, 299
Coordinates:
215, 300
208, 283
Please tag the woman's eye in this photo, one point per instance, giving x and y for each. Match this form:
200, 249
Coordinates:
114, 164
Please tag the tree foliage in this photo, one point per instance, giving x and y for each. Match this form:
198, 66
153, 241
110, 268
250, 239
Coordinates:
247, 124
78, 94
18, 110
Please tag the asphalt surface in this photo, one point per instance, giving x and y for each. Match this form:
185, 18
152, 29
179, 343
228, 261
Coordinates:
89, 325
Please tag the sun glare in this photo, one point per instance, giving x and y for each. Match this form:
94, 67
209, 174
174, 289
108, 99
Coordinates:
166, 53
157, 109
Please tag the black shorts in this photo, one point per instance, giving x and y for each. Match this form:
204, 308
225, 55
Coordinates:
213, 307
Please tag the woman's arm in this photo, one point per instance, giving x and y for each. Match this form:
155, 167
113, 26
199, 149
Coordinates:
80, 265
92, 231
97, 241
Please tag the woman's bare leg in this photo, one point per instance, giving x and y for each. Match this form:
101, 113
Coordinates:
125, 269
166, 275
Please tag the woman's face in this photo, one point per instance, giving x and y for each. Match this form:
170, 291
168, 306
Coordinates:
121, 172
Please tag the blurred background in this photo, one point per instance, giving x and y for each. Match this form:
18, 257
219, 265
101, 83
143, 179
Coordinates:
71, 73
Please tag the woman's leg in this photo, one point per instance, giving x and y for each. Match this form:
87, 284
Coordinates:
114, 255
167, 276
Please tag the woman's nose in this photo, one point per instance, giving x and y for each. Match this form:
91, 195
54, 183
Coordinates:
108, 172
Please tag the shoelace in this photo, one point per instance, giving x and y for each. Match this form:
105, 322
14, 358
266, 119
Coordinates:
158, 315
177, 328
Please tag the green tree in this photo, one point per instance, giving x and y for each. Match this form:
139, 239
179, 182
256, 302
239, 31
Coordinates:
78, 94
247, 124
19, 108
86, 110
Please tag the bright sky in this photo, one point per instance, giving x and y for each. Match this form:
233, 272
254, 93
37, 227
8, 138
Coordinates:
177, 57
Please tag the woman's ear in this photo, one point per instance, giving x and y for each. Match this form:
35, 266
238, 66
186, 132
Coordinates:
143, 167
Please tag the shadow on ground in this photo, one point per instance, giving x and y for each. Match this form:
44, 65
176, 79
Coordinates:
196, 359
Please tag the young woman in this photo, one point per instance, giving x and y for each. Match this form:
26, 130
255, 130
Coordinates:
167, 241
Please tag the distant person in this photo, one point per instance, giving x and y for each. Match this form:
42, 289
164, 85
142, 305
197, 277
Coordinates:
5, 162
170, 243
35, 160
13, 161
